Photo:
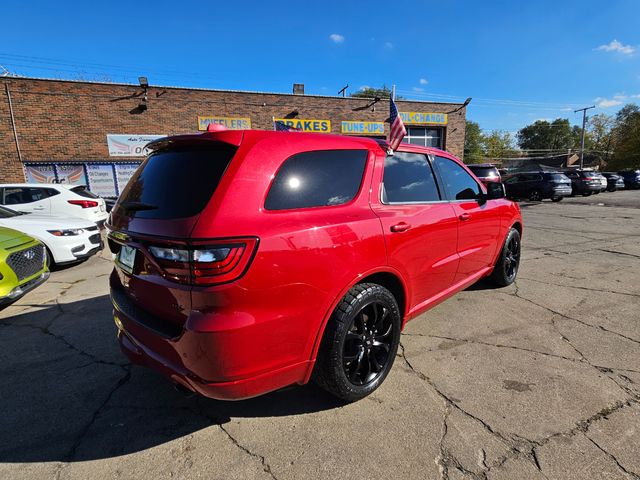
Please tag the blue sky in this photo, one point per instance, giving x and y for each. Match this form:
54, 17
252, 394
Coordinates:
519, 61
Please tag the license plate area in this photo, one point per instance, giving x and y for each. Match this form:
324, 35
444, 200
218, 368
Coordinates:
126, 258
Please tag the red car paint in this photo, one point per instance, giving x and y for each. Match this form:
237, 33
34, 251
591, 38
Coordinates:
261, 331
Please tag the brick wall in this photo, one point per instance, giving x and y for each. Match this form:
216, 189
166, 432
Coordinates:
68, 121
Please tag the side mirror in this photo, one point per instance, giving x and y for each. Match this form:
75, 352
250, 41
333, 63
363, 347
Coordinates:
495, 190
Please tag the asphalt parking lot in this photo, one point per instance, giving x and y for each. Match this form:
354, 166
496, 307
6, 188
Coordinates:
537, 380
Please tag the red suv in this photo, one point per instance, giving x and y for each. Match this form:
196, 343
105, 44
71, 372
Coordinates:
251, 260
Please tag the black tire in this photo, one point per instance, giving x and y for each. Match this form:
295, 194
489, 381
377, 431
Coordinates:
506, 268
556, 199
535, 196
49, 259
586, 194
354, 359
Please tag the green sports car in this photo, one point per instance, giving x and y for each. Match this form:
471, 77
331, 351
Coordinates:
22, 264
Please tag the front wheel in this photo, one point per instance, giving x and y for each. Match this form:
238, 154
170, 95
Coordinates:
506, 268
360, 343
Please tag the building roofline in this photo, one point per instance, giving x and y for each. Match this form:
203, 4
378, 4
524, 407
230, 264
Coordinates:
219, 90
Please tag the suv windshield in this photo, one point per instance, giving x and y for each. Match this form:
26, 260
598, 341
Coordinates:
8, 213
484, 171
175, 183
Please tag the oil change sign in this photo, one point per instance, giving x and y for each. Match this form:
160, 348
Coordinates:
309, 125
230, 123
424, 118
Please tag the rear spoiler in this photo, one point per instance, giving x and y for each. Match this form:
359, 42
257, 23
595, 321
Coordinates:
232, 137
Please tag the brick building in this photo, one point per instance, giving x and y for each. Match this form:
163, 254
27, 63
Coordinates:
94, 133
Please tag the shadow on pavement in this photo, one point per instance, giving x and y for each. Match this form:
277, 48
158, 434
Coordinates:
68, 394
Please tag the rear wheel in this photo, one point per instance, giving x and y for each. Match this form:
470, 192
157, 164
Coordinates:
556, 199
535, 196
586, 194
506, 268
360, 343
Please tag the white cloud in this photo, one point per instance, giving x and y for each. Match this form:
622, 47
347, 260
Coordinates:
608, 102
618, 47
336, 38
418, 89
423, 81
388, 45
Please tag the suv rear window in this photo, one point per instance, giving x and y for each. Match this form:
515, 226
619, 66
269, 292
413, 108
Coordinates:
175, 183
83, 192
558, 177
317, 179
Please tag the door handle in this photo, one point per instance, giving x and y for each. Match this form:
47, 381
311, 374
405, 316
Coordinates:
400, 227
464, 216
38, 208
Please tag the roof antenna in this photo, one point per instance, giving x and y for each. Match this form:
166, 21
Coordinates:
344, 91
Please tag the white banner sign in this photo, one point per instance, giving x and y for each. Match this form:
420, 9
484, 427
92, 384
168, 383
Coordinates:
123, 173
102, 182
129, 145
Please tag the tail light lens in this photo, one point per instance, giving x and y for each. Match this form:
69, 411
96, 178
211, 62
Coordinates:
83, 203
208, 264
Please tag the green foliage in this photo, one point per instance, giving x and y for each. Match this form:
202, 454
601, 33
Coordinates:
479, 147
370, 92
626, 139
473, 143
544, 135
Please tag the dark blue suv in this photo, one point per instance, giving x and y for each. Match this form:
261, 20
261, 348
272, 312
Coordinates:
536, 186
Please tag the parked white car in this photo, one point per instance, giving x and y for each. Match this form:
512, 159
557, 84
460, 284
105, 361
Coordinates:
67, 239
54, 199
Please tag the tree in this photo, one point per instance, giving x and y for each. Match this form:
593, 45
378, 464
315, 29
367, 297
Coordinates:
626, 138
498, 145
473, 143
370, 92
542, 135
599, 136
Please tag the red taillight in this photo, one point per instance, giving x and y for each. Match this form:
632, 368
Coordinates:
209, 263
83, 203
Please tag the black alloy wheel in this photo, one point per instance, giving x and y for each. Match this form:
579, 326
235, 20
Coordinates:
359, 343
506, 267
367, 344
512, 257
535, 196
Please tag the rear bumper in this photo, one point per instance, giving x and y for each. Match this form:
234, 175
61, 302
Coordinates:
232, 390
227, 362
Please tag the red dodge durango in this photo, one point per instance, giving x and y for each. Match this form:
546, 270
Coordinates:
248, 261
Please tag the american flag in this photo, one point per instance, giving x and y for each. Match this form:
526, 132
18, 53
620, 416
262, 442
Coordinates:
283, 127
398, 131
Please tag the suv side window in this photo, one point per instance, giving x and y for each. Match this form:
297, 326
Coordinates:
459, 185
317, 179
408, 178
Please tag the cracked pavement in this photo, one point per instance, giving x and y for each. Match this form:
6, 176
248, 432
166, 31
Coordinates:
537, 380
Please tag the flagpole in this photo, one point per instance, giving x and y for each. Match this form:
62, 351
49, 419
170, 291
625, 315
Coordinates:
393, 92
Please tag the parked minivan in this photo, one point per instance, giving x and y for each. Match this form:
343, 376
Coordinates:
280, 257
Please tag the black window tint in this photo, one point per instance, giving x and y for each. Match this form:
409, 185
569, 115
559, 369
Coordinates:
408, 178
316, 179
15, 196
50, 192
175, 183
458, 183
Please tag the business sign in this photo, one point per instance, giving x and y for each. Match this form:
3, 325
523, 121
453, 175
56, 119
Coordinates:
231, 123
124, 172
102, 180
316, 126
40, 174
421, 118
362, 128
129, 145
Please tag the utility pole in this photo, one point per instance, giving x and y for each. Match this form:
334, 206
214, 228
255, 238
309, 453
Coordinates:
584, 123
